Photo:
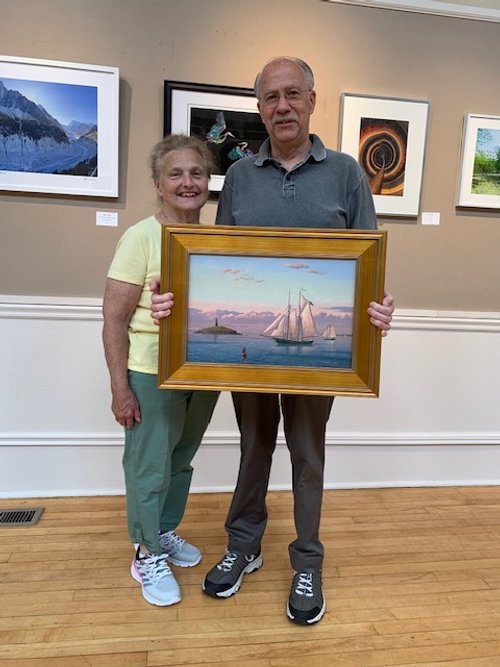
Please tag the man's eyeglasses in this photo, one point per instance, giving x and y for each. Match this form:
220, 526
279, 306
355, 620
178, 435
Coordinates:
292, 96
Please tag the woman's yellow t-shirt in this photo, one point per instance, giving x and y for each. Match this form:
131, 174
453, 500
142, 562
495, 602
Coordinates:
137, 260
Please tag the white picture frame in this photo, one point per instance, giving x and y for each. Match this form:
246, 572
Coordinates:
479, 176
387, 135
38, 157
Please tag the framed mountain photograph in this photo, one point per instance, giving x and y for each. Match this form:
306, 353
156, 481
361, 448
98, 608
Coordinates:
59, 127
273, 310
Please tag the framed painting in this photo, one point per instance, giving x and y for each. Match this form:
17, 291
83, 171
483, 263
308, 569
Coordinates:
479, 178
271, 310
224, 117
387, 136
59, 127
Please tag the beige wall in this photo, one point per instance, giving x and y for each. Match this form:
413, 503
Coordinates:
51, 245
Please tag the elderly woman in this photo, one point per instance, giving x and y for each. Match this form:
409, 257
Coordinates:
163, 427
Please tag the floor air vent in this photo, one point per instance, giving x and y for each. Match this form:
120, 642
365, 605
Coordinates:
21, 517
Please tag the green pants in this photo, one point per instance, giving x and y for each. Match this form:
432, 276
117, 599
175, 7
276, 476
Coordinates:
158, 454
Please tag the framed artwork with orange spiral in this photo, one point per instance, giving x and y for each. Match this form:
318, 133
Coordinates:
387, 136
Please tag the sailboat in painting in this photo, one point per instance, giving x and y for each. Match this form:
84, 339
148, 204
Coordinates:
295, 325
329, 333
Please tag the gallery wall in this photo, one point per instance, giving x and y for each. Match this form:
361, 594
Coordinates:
436, 421
51, 246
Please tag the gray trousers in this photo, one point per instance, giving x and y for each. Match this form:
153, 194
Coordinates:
305, 419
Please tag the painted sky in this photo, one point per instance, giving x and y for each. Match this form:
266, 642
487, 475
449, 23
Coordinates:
247, 293
65, 102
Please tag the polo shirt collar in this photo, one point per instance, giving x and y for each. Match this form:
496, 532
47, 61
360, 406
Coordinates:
317, 152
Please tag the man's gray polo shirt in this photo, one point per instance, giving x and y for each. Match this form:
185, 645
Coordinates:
328, 189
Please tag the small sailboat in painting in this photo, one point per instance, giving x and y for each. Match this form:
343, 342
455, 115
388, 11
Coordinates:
295, 325
329, 333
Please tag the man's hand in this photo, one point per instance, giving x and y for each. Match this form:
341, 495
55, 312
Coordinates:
381, 313
161, 304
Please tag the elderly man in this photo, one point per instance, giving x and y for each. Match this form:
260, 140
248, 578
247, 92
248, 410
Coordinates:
294, 181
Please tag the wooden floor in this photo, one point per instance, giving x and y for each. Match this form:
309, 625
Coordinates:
412, 577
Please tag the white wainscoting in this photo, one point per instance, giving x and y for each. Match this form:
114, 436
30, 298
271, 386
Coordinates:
437, 421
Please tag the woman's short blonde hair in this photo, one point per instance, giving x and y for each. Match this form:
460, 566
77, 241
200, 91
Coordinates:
178, 142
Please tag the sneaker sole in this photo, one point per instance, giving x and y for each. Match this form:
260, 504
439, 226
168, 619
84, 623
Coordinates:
310, 621
183, 563
137, 577
251, 567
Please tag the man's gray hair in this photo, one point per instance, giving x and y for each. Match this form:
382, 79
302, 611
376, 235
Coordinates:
283, 59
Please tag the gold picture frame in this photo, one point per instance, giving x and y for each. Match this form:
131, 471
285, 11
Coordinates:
234, 280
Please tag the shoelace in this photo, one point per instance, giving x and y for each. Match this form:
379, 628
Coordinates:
174, 540
305, 584
153, 568
227, 562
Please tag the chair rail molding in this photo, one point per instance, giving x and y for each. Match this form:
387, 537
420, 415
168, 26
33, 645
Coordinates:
436, 421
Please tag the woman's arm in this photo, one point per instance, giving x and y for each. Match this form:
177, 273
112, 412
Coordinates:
120, 302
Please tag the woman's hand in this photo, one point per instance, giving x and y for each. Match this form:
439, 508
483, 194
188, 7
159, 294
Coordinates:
161, 304
125, 408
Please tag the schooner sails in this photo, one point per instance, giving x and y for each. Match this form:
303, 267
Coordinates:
329, 333
295, 325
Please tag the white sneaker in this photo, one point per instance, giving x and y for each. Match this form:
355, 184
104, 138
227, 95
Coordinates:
178, 551
159, 586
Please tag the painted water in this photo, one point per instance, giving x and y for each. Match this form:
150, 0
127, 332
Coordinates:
262, 351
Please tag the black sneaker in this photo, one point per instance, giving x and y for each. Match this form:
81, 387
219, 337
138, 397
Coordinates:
225, 578
306, 603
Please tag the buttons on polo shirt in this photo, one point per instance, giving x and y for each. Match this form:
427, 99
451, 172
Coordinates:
288, 187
